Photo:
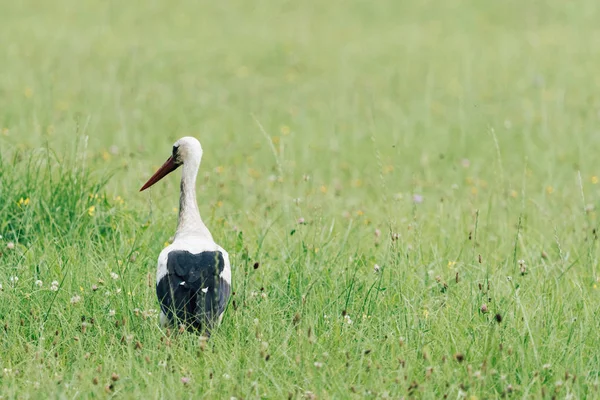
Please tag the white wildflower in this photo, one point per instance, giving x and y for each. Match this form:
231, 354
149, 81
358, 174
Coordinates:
114, 276
347, 319
111, 313
54, 286
376, 268
38, 283
149, 313
75, 299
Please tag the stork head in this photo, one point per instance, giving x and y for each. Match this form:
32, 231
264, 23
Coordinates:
186, 151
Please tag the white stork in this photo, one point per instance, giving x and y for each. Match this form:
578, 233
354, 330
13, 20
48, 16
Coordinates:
193, 280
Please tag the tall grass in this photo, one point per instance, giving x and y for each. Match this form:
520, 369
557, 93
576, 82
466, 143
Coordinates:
408, 194
43, 195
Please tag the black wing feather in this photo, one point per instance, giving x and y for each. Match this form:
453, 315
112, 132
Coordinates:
192, 292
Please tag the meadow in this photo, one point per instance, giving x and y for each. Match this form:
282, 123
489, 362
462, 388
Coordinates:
408, 192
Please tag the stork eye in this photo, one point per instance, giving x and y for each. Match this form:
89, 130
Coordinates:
175, 148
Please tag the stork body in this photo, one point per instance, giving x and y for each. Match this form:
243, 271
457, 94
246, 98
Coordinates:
193, 278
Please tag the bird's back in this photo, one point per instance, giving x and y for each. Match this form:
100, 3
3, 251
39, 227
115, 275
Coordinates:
193, 288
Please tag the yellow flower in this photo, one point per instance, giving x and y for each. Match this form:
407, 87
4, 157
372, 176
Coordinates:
360, 213
549, 189
23, 202
253, 173
119, 200
91, 210
285, 130
105, 155
166, 244
513, 193
219, 204
474, 190
219, 169
426, 313
275, 140
28, 92
5, 131
595, 180
356, 183
323, 189
451, 264
388, 168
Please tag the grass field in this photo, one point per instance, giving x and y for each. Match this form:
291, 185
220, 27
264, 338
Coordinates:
407, 191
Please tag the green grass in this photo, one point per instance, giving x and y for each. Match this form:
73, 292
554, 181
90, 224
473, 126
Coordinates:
443, 142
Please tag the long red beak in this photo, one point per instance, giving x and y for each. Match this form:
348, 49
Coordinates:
168, 167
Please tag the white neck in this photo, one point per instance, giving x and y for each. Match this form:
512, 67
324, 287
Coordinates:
190, 222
